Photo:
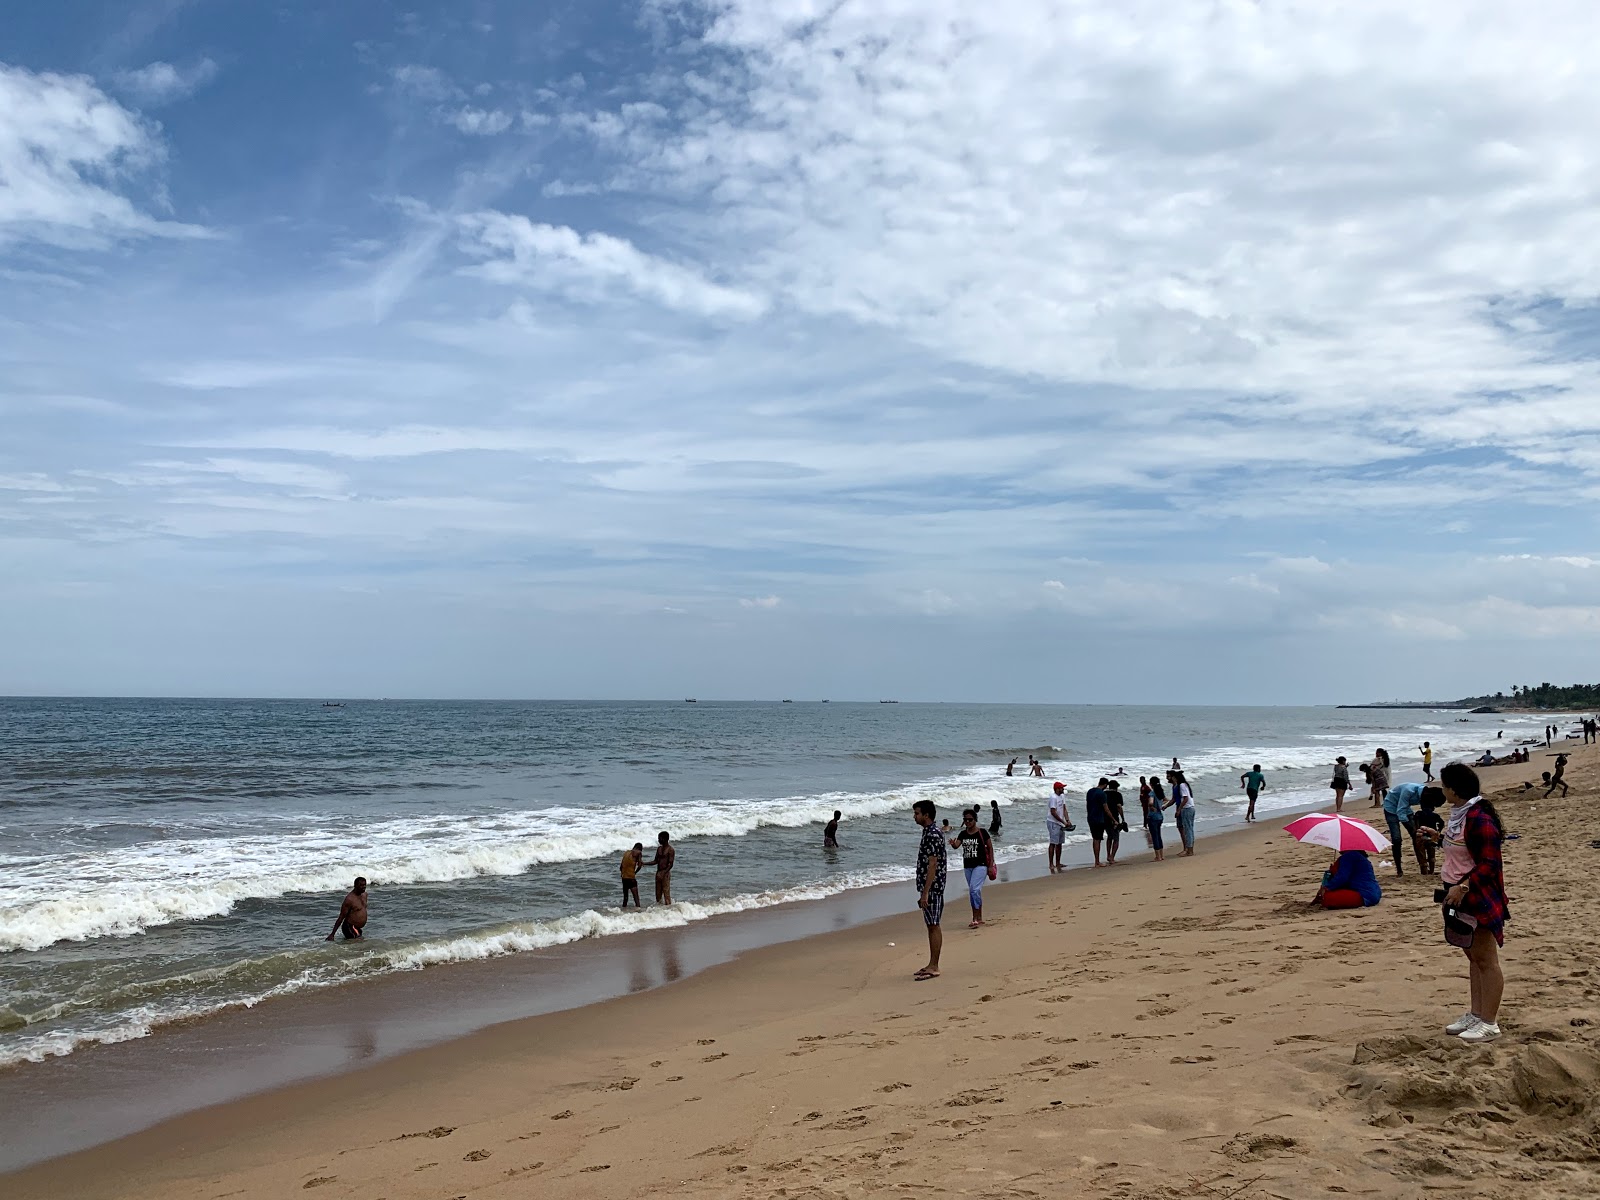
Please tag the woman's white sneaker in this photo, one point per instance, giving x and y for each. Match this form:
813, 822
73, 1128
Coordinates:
1483, 1031
1461, 1024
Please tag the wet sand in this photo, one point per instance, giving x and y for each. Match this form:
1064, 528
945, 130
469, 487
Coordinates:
1187, 1028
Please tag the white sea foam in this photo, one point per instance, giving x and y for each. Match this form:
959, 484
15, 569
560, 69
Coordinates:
122, 893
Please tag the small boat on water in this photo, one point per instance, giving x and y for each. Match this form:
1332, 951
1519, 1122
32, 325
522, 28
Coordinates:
331, 704
691, 701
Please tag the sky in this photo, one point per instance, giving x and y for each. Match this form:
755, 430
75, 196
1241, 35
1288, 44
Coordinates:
1124, 351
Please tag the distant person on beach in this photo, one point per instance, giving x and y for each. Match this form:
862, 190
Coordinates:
930, 883
1116, 821
1379, 775
1475, 908
632, 860
1152, 799
1486, 759
1038, 769
945, 829
1427, 760
1556, 780
1427, 829
1094, 812
1397, 804
666, 855
1252, 781
1011, 767
1547, 731
1341, 782
1182, 804
1349, 883
977, 861
1056, 825
352, 918
1176, 765
994, 818
830, 832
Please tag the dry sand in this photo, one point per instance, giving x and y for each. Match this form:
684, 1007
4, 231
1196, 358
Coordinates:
1187, 1028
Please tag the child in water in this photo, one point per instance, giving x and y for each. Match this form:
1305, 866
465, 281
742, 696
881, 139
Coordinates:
631, 862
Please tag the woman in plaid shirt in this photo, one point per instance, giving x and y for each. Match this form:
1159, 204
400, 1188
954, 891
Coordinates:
1475, 888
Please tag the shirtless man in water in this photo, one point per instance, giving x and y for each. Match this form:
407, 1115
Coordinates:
353, 912
666, 854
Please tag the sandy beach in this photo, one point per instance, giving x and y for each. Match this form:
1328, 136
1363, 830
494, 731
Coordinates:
1188, 1028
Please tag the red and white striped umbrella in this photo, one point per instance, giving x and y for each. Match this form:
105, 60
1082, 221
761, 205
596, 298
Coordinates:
1337, 832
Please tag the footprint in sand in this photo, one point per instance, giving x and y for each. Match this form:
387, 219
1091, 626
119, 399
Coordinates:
476, 1155
565, 1114
714, 1057
706, 1042
600, 1167
319, 1181
438, 1131
893, 1087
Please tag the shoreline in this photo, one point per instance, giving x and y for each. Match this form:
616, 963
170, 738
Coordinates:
102, 1093
1135, 1027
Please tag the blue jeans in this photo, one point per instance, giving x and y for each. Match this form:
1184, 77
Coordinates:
1153, 824
1395, 844
1186, 827
975, 878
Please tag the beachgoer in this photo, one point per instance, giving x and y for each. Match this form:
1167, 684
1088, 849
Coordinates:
1116, 821
1176, 765
1379, 776
1349, 883
830, 832
1486, 759
994, 818
1547, 737
1341, 782
1056, 825
666, 855
352, 918
977, 861
1252, 781
1183, 802
1397, 804
1427, 760
1094, 812
1556, 780
1427, 829
930, 883
631, 861
1152, 816
1038, 769
1011, 767
1475, 906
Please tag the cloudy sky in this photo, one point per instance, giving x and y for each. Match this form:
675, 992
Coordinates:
1118, 350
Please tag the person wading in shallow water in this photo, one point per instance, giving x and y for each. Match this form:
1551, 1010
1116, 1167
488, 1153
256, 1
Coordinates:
666, 855
352, 916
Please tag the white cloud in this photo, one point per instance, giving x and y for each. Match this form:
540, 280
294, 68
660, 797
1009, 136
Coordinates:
520, 251
161, 82
760, 602
428, 83
479, 122
63, 145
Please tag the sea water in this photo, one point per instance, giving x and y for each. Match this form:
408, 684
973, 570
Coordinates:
165, 859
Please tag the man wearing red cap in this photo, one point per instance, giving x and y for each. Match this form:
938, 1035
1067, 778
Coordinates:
1057, 824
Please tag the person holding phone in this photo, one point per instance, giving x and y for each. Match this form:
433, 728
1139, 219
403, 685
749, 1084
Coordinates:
1474, 898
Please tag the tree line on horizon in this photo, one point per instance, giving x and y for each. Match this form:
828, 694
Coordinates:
1546, 695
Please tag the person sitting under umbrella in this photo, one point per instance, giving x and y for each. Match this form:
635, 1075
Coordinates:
1349, 882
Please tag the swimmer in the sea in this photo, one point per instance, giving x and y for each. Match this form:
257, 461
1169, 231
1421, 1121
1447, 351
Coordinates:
352, 917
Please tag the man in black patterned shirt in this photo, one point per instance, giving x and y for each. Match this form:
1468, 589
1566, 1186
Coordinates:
930, 883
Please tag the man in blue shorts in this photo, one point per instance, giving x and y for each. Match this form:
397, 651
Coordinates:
1056, 826
930, 883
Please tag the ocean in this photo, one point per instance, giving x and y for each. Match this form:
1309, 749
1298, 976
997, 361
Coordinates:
162, 860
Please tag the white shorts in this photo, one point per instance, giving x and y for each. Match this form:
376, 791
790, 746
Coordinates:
1058, 833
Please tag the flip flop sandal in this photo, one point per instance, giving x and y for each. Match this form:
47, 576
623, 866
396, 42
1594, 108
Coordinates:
923, 976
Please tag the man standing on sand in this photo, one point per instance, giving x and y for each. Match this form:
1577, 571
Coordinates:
1056, 825
930, 884
1253, 782
666, 855
352, 916
830, 832
1094, 811
1427, 760
1116, 820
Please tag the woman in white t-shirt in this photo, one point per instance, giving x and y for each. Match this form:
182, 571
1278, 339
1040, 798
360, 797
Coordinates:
1183, 801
